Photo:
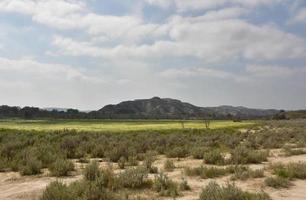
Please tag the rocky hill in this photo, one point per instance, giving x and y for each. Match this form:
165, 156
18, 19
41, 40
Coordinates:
166, 108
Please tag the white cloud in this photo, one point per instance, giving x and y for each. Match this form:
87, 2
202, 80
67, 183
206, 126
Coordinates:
273, 71
31, 69
196, 72
300, 16
185, 5
211, 41
73, 14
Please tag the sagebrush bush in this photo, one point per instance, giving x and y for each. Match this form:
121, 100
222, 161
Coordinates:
290, 170
177, 152
169, 166
213, 191
121, 163
31, 166
61, 167
206, 172
243, 155
134, 178
214, 157
92, 171
164, 186
244, 173
277, 182
57, 191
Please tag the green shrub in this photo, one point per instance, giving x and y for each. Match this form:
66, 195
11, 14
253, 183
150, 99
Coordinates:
244, 173
148, 164
213, 191
184, 185
31, 166
57, 191
198, 152
134, 178
291, 152
206, 172
169, 165
243, 155
121, 163
277, 182
61, 167
291, 170
177, 152
164, 186
92, 171
214, 157
132, 161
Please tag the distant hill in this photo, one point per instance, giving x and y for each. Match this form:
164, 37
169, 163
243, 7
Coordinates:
299, 114
154, 108
166, 108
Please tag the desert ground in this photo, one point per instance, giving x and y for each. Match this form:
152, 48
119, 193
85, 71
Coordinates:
14, 185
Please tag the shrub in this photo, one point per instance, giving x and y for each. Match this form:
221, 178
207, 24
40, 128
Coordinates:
291, 170
214, 157
148, 164
244, 173
31, 166
169, 166
177, 152
57, 191
198, 153
206, 172
213, 191
243, 155
132, 161
164, 186
121, 163
61, 167
92, 171
134, 178
291, 152
184, 185
277, 182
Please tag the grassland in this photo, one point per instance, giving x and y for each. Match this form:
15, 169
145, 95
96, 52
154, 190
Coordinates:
117, 125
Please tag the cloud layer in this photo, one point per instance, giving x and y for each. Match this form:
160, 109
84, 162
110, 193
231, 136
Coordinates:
86, 48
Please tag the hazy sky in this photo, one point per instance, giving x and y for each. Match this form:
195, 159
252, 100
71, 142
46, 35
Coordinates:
88, 53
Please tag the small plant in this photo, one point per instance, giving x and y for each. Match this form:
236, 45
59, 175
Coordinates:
121, 163
214, 157
244, 173
57, 190
134, 178
291, 170
177, 152
206, 172
148, 164
92, 171
291, 152
169, 166
61, 167
132, 161
243, 155
183, 186
213, 191
32, 166
164, 186
198, 153
277, 182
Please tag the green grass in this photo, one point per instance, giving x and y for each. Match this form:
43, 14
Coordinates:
116, 125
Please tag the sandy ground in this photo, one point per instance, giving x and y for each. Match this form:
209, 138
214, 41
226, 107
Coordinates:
15, 187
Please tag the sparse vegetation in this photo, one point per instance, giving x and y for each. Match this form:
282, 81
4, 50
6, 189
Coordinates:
277, 182
213, 191
169, 166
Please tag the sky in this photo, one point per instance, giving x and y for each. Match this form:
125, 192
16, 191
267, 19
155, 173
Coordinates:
85, 54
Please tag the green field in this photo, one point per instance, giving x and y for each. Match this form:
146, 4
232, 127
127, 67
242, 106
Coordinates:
116, 125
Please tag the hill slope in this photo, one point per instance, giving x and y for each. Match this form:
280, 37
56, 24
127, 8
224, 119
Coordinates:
166, 108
